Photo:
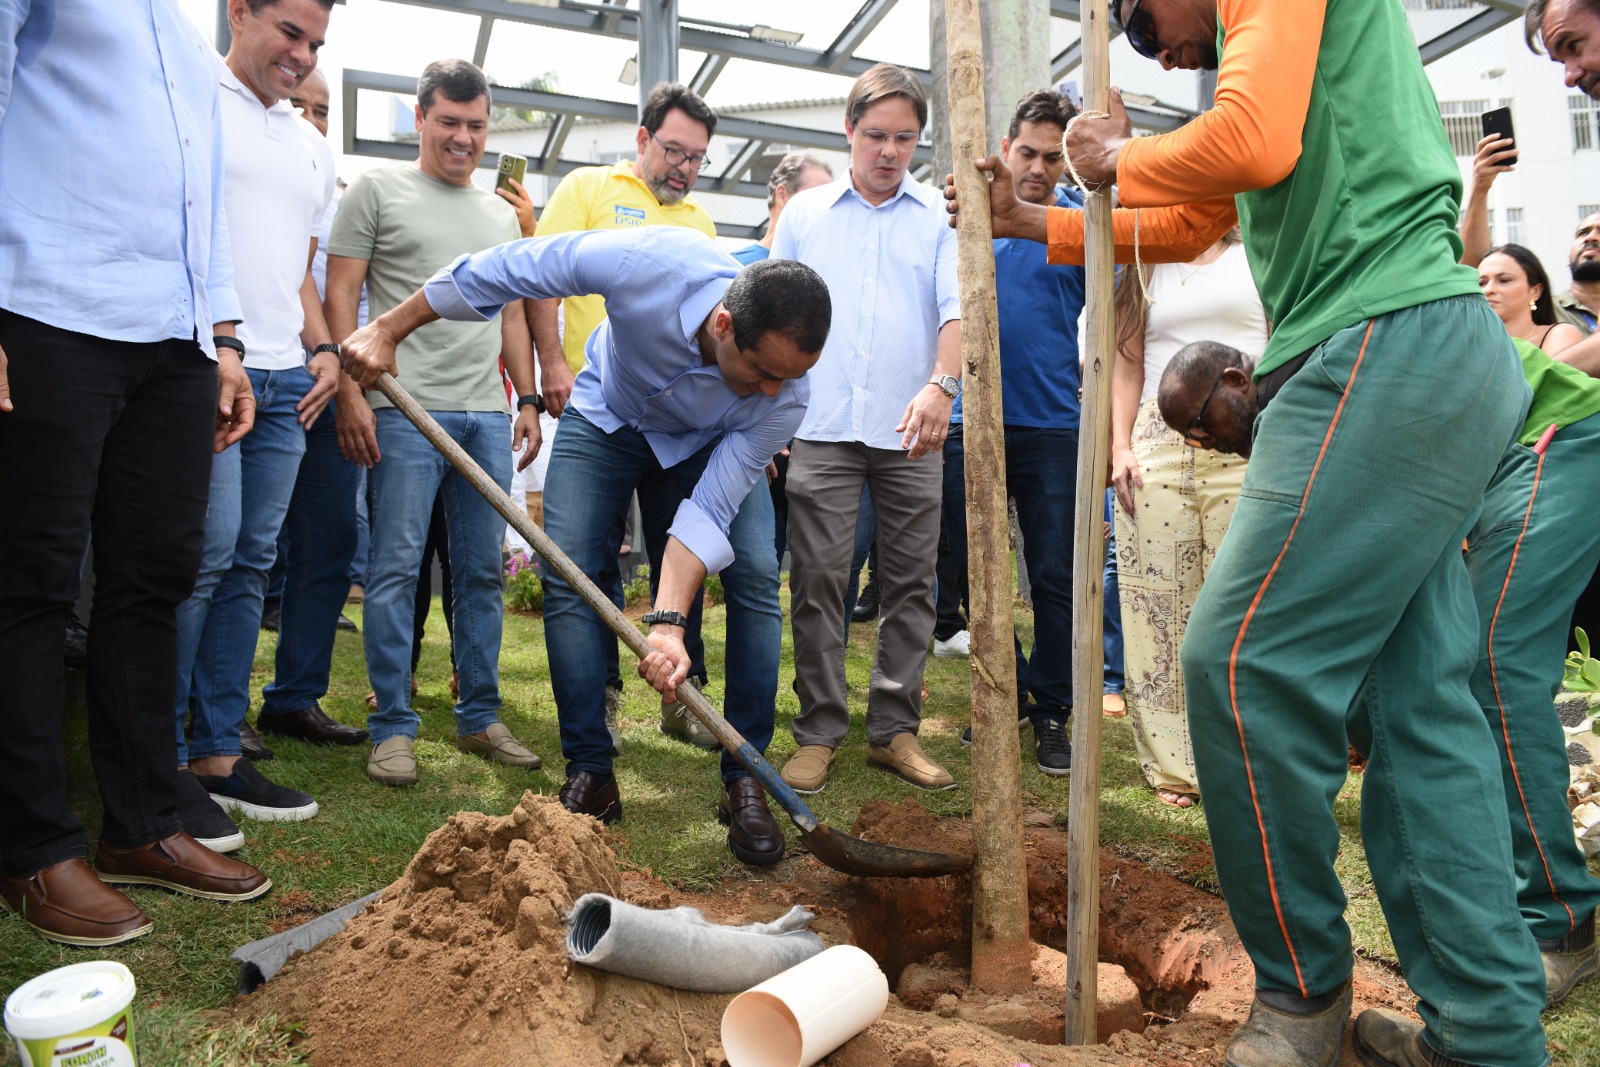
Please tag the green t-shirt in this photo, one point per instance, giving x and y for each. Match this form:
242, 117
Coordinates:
1366, 222
408, 225
1562, 394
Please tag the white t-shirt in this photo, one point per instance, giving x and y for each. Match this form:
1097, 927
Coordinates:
279, 180
1214, 302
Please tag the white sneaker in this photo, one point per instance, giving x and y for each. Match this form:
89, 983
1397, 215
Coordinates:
958, 644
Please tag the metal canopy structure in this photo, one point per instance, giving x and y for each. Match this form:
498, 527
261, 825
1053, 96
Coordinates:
650, 26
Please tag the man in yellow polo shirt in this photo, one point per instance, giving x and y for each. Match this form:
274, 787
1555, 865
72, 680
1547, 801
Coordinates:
653, 190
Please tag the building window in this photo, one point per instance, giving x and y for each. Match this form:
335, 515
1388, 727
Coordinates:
1489, 213
1584, 113
1463, 124
1514, 225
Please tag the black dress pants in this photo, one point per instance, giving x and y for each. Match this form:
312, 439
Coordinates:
115, 434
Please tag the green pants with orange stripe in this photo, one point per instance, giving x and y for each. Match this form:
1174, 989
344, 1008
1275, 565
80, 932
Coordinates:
1339, 606
1527, 558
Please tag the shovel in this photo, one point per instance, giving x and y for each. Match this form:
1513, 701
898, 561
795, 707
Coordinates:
841, 851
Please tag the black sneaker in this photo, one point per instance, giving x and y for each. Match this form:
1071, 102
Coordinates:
1054, 751
269, 615
867, 603
346, 624
202, 819
249, 792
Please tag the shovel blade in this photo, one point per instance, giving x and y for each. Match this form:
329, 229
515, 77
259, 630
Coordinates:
869, 859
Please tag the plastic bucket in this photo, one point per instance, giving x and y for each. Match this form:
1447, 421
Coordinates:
795, 1018
77, 1016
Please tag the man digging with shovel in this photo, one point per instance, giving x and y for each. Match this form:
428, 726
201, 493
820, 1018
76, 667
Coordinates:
1397, 395
691, 386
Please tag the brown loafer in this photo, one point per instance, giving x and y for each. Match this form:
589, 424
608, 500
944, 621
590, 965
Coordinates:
251, 747
903, 757
753, 834
68, 904
807, 770
309, 724
498, 746
586, 793
184, 865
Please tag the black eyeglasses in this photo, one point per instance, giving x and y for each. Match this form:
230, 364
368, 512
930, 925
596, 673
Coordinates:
1188, 435
677, 157
1140, 28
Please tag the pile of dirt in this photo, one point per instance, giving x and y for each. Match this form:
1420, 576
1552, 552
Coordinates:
463, 959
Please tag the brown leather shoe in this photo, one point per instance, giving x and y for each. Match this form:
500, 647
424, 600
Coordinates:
589, 794
753, 834
68, 904
251, 747
904, 758
182, 864
309, 724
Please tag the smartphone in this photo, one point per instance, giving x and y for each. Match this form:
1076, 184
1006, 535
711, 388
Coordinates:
513, 166
1497, 123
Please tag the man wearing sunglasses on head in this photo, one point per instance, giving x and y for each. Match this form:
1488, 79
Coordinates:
1394, 396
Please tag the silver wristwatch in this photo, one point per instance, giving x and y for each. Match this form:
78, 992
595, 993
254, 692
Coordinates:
949, 383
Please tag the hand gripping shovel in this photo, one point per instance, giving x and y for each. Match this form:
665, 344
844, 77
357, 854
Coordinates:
840, 851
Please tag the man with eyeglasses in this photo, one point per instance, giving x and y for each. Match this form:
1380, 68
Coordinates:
1339, 603
881, 396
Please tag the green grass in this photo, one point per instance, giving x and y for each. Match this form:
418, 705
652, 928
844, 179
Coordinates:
365, 834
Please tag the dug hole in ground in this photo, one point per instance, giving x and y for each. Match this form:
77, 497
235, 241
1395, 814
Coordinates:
463, 959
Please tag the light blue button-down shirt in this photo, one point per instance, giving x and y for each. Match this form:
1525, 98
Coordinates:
111, 171
891, 272
644, 366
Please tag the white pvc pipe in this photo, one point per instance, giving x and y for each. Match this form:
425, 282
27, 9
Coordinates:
796, 1018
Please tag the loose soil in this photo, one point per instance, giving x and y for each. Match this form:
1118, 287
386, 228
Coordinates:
463, 959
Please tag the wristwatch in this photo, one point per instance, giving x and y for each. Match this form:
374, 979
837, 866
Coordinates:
531, 398
949, 383
671, 618
328, 346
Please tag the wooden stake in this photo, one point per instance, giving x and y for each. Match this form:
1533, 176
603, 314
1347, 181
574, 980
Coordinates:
1088, 565
1001, 953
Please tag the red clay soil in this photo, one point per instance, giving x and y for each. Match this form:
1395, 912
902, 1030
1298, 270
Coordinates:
463, 961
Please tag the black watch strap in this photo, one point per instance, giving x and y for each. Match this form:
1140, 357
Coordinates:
327, 346
221, 341
531, 398
671, 618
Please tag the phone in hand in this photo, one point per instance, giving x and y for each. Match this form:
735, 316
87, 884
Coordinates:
515, 167
1497, 123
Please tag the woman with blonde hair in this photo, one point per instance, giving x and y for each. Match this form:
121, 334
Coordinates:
1174, 500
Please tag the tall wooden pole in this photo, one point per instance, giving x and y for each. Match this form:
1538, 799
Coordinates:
1088, 564
1001, 954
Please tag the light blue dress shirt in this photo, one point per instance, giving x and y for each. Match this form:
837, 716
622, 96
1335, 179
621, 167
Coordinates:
111, 171
644, 366
891, 272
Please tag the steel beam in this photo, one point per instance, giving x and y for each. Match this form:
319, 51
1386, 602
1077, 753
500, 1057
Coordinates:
710, 67
554, 141
737, 167
480, 50
658, 45
1465, 32
857, 30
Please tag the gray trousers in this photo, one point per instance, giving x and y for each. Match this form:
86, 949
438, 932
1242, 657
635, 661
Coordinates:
825, 480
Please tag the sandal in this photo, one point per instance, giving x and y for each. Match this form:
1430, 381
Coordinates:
1176, 799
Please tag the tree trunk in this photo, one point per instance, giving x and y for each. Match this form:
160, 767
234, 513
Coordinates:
1088, 564
1001, 954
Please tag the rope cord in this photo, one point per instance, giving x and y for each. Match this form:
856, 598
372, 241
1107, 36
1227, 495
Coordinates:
1083, 187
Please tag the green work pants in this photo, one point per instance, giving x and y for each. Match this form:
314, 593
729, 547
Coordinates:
1339, 607
1527, 558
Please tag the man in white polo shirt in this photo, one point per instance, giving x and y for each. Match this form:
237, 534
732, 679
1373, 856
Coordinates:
279, 179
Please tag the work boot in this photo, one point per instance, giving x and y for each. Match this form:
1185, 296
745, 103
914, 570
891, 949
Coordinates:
613, 713
1384, 1038
679, 723
1568, 961
1284, 1029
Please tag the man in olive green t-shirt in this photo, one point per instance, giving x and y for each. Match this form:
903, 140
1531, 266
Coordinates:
395, 228
1339, 604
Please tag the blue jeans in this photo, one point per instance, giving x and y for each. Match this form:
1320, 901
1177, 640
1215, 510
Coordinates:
1112, 633
319, 539
592, 474
1042, 477
402, 487
358, 560
269, 461
216, 555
